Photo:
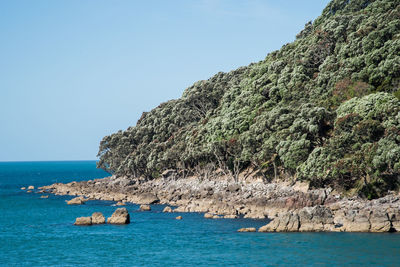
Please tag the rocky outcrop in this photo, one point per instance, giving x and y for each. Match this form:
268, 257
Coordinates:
250, 197
120, 216
381, 215
145, 208
98, 218
83, 221
250, 229
309, 219
291, 206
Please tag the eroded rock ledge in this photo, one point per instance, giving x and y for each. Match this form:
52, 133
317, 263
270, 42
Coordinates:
291, 206
381, 215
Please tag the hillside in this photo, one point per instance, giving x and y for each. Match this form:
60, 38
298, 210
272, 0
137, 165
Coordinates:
324, 108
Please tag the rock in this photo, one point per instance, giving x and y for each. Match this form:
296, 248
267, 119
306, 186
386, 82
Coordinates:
233, 188
76, 201
167, 209
31, 187
29, 191
145, 207
216, 217
394, 215
83, 221
120, 203
180, 209
208, 215
308, 219
231, 216
315, 219
23, 188
98, 218
120, 216
379, 221
179, 218
147, 198
250, 229
44, 196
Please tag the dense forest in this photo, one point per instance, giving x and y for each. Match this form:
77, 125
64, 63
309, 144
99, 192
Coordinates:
324, 108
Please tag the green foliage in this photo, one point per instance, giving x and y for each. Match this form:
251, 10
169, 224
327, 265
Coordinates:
324, 108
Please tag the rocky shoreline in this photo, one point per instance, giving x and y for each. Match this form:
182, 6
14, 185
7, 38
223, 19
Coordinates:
291, 206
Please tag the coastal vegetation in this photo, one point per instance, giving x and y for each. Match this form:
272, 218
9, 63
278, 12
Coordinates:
324, 109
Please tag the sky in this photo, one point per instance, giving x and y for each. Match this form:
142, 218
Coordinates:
73, 71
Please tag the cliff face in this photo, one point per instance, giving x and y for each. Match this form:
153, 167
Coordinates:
324, 109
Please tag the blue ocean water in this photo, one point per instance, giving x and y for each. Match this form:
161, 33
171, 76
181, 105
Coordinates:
40, 232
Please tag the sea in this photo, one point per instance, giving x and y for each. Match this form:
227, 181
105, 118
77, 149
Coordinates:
40, 232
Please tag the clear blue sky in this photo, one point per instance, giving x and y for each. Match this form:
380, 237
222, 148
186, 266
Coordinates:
73, 71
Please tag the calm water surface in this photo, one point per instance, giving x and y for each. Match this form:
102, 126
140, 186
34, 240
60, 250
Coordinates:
40, 232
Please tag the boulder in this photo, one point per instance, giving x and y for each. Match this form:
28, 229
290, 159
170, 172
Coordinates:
98, 218
120, 203
147, 198
167, 209
179, 218
76, 201
31, 187
208, 215
250, 229
145, 207
120, 216
216, 217
83, 221
23, 188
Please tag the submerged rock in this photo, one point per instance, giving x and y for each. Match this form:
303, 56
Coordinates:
98, 218
179, 218
83, 221
249, 229
145, 207
208, 215
23, 188
44, 196
31, 187
120, 203
120, 216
